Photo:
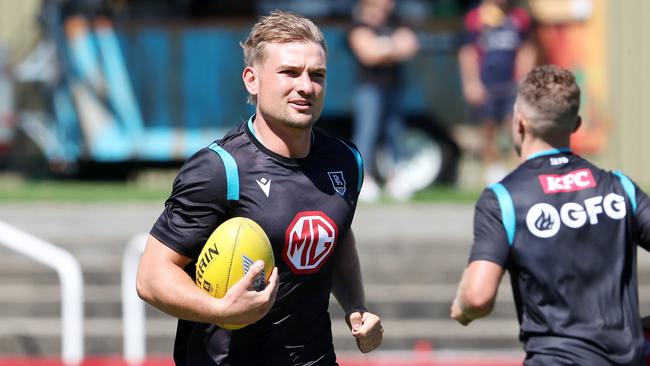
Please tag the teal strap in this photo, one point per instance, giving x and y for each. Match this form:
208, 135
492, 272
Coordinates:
250, 126
628, 186
357, 156
507, 210
232, 175
549, 152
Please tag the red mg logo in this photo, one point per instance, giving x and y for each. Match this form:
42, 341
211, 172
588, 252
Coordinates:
309, 240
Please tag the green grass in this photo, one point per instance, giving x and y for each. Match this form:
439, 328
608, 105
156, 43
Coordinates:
80, 191
17, 190
153, 190
447, 194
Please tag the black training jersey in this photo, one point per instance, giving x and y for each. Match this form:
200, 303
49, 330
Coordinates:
567, 233
305, 206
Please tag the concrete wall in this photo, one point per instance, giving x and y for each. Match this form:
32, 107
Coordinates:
19, 28
629, 69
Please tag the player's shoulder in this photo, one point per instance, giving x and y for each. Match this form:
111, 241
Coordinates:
521, 18
327, 144
473, 20
214, 160
233, 138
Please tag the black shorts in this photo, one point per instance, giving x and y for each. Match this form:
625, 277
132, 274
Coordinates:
498, 105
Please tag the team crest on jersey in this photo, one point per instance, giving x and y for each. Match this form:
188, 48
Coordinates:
573, 181
338, 181
309, 240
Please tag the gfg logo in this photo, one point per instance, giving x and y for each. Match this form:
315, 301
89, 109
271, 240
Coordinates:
544, 221
309, 240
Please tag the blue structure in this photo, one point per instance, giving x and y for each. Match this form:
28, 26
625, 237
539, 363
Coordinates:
158, 93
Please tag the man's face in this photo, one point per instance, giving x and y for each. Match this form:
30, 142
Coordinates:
290, 83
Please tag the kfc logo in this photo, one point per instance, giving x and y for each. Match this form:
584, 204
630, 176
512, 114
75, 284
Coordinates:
309, 241
574, 181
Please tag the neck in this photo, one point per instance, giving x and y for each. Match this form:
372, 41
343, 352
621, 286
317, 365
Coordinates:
536, 145
281, 139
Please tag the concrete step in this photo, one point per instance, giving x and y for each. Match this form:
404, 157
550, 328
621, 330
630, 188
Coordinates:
104, 335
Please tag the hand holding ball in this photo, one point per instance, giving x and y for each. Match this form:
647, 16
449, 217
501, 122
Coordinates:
228, 255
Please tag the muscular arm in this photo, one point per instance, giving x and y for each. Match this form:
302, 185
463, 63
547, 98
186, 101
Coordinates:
347, 286
348, 290
163, 283
489, 256
477, 291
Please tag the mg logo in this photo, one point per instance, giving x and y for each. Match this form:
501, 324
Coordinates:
309, 240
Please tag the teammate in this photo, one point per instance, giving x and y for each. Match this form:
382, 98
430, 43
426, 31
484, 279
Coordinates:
567, 232
300, 185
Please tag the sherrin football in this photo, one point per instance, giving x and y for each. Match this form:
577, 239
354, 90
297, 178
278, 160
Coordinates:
227, 256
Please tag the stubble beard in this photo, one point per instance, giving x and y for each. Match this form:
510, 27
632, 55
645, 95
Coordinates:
297, 124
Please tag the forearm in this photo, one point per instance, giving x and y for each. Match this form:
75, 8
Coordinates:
472, 305
347, 285
477, 291
469, 65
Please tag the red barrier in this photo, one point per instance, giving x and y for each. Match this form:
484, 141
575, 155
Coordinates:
401, 359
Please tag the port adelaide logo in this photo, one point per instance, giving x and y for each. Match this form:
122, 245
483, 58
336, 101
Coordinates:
338, 181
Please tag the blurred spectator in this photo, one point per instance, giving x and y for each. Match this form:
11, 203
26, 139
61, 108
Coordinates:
380, 45
496, 50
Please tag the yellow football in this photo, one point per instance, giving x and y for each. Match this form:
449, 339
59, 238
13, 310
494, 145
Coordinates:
227, 256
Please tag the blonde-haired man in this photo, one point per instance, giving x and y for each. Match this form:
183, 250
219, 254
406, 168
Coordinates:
300, 185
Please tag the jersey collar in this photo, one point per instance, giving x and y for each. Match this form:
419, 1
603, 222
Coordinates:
548, 152
291, 161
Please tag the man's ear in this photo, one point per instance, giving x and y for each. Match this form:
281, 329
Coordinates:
520, 123
578, 124
249, 75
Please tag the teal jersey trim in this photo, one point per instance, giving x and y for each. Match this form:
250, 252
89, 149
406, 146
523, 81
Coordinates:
250, 126
232, 173
357, 156
507, 210
548, 152
628, 186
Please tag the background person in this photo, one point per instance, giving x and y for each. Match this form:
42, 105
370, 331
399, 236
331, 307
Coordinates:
496, 49
380, 46
300, 186
567, 233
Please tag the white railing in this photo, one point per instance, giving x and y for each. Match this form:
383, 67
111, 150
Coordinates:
133, 315
69, 271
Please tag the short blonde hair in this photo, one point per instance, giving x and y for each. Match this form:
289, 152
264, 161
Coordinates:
279, 27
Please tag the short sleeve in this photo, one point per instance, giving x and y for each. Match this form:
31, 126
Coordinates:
490, 239
642, 218
522, 21
196, 206
472, 25
357, 169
